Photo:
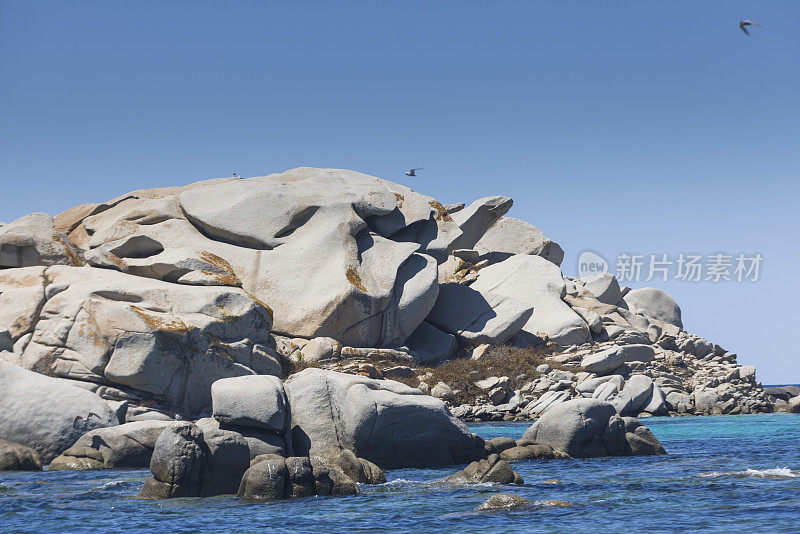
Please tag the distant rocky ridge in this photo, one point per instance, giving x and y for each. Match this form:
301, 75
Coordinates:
149, 299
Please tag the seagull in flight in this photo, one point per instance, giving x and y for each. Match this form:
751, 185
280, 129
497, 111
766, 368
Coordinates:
413, 172
745, 23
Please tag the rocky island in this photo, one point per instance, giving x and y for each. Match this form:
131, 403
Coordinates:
295, 334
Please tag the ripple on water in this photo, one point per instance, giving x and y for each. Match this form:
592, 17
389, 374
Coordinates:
722, 473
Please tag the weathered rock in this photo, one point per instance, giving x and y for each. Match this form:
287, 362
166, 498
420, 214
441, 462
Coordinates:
640, 440
442, 391
177, 464
431, 344
537, 283
16, 457
260, 441
491, 469
603, 362
502, 443
47, 414
475, 219
604, 287
510, 236
167, 342
794, 405
635, 395
478, 316
257, 401
33, 240
321, 349
227, 459
505, 501
385, 422
582, 428
128, 445
271, 478
654, 303
359, 469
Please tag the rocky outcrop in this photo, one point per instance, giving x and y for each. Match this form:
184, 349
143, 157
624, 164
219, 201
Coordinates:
152, 340
510, 236
16, 457
385, 422
33, 240
46, 414
589, 428
127, 445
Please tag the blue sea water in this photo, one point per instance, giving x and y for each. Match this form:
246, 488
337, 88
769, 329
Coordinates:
724, 473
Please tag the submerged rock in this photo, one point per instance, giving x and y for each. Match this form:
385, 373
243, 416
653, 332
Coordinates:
505, 501
492, 469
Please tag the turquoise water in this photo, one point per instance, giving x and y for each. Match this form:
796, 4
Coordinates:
737, 473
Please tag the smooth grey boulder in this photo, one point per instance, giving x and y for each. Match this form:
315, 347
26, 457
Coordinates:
606, 391
640, 441
16, 457
635, 395
654, 303
162, 340
321, 349
591, 385
505, 501
510, 236
536, 283
383, 421
257, 401
478, 316
127, 445
33, 240
227, 459
430, 344
604, 287
177, 463
656, 404
475, 219
45, 413
606, 361
603, 362
582, 428
360, 470
491, 469
594, 320
525, 450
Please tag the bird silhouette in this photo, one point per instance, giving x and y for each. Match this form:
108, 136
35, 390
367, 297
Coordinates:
413, 172
745, 23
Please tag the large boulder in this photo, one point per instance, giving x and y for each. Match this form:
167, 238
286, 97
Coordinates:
272, 478
478, 316
607, 360
475, 219
128, 445
510, 236
188, 462
16, 457
583, 428
604, 287
21, 300
45, 413
259, 441
538, 284
636, 394
429, 344
654, 303
33, 240
383, 421
161, 341
257, 401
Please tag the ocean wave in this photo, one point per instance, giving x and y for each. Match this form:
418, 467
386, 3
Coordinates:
778, 472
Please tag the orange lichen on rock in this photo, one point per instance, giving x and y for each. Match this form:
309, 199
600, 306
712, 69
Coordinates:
157, 322
441, 211
355, 279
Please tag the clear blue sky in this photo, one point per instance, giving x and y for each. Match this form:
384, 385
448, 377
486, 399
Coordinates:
639, 126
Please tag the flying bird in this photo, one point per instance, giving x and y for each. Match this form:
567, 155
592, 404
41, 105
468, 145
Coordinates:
745, 23
413, 172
